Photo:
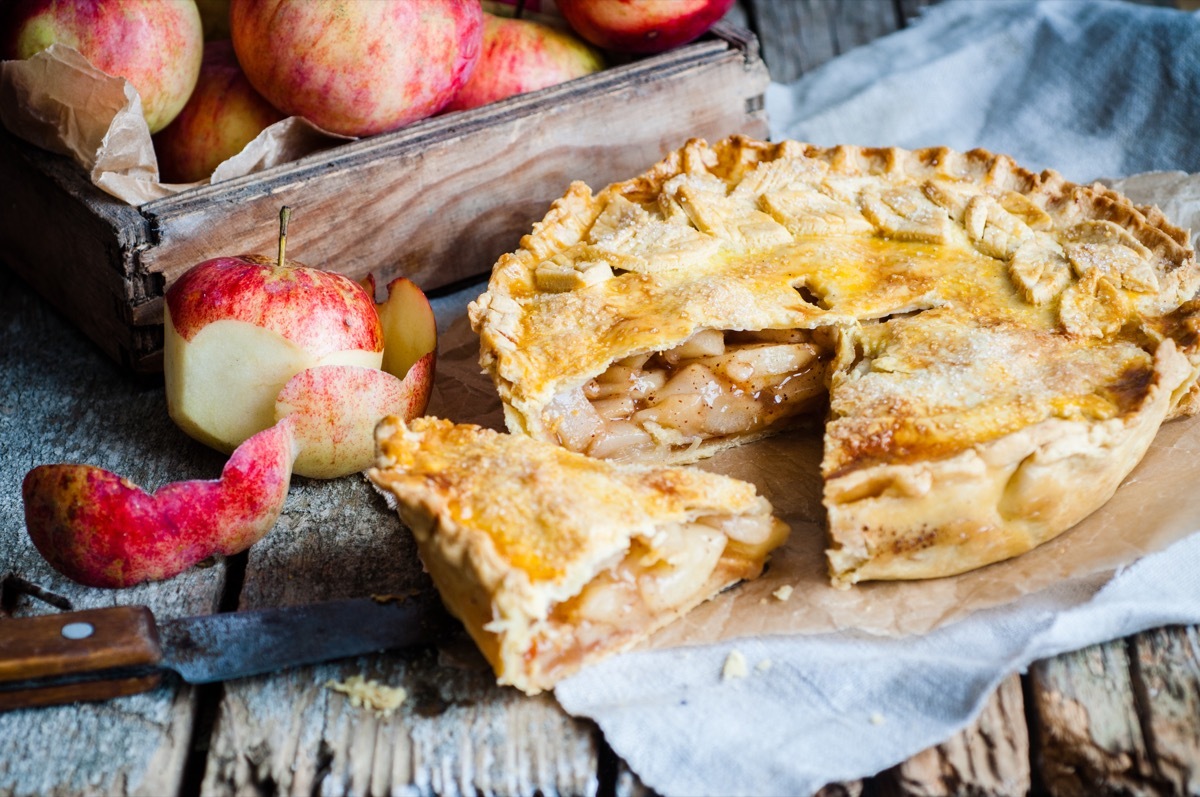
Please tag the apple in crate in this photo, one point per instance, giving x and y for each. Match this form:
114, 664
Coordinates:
520, 55
357, 67
154, 44
642, 26
222, 116
239, 329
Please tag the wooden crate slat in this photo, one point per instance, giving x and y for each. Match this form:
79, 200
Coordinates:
443, 207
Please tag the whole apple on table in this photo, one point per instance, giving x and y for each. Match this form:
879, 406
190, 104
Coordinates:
287, 366
154, 44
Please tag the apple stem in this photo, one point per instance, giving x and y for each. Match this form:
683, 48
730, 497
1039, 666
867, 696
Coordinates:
284, 214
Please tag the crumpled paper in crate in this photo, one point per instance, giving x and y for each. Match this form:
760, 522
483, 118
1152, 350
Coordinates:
58, 101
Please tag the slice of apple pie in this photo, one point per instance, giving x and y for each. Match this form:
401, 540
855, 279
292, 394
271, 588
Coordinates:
992, 349
552, 559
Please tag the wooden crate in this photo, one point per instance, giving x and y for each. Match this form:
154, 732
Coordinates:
438, 201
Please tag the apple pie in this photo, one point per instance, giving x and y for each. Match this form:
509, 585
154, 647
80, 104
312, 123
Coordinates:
992, 350
553, 559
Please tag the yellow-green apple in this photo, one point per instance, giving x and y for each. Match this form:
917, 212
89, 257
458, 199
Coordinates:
103, 531
238, 329
642, 26
222, 116
154, 44
521, 55
357, 67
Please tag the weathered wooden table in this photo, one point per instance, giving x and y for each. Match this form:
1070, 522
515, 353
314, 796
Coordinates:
1119, 718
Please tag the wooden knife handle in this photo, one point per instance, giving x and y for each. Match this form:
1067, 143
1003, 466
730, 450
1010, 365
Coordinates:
89, 655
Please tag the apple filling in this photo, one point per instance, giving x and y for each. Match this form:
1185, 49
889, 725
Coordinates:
658, 579
714, 385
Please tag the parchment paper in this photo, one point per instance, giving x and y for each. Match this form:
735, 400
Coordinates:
58, 101
1155, 506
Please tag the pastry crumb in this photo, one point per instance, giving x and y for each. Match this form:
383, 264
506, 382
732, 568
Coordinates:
784, 592
735, 666
764, 665
877, 718
377, 698
396, 597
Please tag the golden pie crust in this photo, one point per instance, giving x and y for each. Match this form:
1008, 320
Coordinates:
993, 349
553, 559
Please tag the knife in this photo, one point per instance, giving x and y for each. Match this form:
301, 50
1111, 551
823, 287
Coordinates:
101, 653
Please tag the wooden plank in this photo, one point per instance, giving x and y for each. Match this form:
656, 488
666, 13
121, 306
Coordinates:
456, 733
988, 759
62, 400
1089, 736
1166, 670
800, 35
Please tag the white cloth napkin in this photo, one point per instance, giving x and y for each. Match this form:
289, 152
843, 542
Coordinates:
1088, 88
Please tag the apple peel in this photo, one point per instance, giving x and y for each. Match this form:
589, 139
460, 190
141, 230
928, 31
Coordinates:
101, 530
334, 410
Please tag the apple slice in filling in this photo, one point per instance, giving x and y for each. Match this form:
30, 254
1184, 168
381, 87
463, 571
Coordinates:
716, 385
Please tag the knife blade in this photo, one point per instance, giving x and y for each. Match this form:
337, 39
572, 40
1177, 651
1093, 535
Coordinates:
97, 654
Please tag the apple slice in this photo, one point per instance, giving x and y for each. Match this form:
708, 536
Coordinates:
334, 409
409, 328
102, 530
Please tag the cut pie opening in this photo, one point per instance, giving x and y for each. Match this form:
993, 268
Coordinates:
715, 385
657, 579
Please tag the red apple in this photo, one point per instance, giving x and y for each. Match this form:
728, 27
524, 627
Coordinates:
222, 116
239, 329
520, 55
154, 44
642, 26
357, 67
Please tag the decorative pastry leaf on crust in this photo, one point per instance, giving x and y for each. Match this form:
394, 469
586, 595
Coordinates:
1039, 269
906, 214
